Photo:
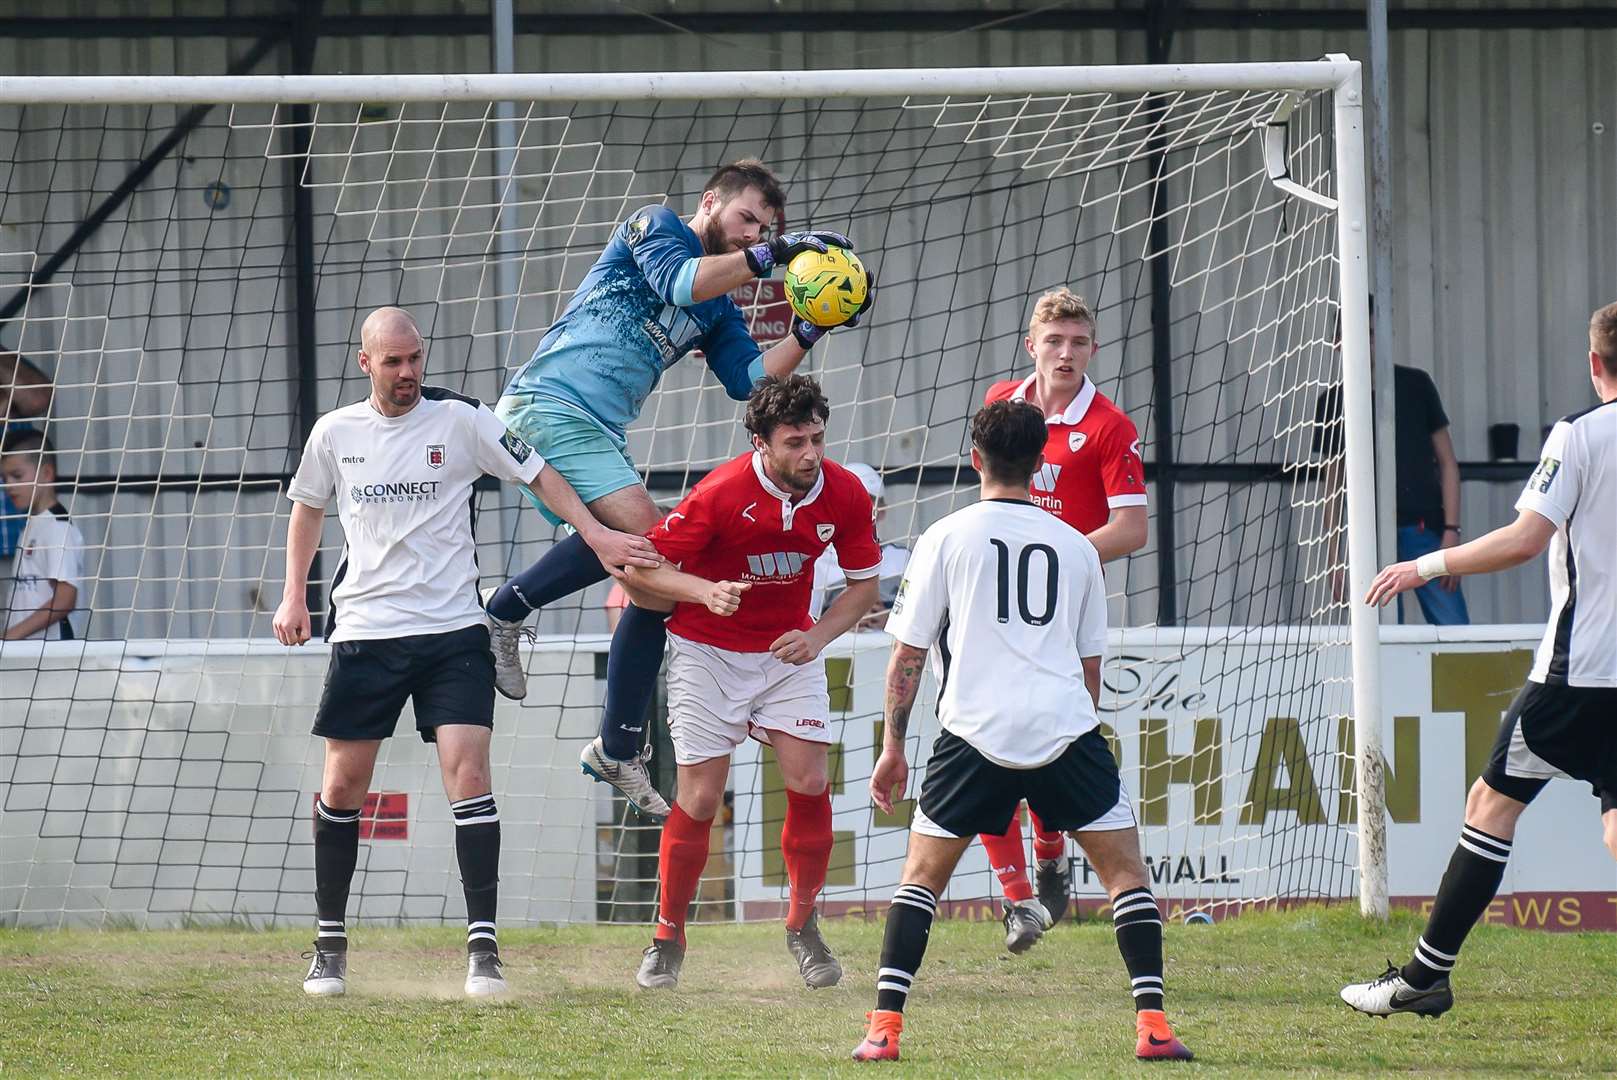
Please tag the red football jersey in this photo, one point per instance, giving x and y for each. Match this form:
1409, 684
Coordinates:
736, 525
1092, 460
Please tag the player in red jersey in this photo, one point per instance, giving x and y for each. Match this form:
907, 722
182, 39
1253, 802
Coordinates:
1092, 479
744, 655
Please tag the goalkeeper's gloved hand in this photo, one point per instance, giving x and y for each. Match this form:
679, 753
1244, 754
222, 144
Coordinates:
870, 298
782, 249
807, 333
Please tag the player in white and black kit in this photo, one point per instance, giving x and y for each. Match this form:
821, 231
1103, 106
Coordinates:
1013, 601
406, 622
1564, 721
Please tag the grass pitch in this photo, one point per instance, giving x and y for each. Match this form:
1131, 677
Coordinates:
1252, 996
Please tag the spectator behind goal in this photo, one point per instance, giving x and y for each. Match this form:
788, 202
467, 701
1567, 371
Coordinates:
25, 394
50, 555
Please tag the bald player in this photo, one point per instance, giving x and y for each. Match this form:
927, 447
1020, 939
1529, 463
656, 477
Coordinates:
406, 622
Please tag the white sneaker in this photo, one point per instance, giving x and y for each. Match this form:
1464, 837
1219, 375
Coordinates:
484, 975
1390, 993
630, 777
328, 974
503, 639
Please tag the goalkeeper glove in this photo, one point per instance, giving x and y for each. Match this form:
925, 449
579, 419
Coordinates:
782, 249
870, 298
807, 333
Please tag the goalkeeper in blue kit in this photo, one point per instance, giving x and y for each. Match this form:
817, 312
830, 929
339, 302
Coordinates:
658, 291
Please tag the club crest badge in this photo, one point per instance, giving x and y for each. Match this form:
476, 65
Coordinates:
824, 530
435, 456
1076, 440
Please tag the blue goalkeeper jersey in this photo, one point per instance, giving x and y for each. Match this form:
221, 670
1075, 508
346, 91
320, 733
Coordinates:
631, 319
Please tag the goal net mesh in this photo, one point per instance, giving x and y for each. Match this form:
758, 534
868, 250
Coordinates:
159, 769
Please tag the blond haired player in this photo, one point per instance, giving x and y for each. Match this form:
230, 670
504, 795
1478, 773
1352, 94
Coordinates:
1092, 479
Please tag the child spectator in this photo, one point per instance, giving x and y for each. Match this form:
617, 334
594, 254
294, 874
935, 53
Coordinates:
25, 395
50, 556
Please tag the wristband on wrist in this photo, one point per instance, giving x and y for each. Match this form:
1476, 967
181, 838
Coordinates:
1433, 565
1455, 529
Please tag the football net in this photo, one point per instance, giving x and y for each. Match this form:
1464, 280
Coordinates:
186, 276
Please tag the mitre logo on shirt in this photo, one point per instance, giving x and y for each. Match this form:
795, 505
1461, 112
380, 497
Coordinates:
435, 456
775, 566
401, 492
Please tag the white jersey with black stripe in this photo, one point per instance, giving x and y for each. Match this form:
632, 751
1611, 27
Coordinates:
1575, 488
403, 488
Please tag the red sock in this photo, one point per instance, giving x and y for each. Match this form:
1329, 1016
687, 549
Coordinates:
681, 859
1047, 845
805, 841
1008, 858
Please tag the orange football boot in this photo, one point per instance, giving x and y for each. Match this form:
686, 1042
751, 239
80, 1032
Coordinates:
1156, 1040
881, 1041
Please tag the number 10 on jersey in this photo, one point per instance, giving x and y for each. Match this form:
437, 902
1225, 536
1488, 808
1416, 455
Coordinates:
1024, 562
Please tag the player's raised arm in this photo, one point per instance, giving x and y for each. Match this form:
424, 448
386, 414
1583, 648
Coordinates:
716, 275
502, 453
1544, 506
734, 356
1505, 547
615, 549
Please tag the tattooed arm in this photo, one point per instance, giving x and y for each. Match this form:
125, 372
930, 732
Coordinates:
892, 771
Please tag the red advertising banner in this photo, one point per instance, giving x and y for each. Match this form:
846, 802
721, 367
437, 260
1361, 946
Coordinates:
769, 316
385, 816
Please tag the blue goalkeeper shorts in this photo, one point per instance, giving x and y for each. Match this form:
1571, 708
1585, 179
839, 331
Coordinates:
591, 458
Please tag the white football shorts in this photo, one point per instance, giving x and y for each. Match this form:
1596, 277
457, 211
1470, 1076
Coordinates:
717, 698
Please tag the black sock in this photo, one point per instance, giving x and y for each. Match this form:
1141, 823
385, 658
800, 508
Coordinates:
1475, 870
909, 924
477, 849
563, 570
336, 851
1139, 938
631, 680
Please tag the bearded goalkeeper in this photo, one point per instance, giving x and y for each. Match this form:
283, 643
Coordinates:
658, 291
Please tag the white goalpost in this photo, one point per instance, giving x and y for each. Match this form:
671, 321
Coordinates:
185, 263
